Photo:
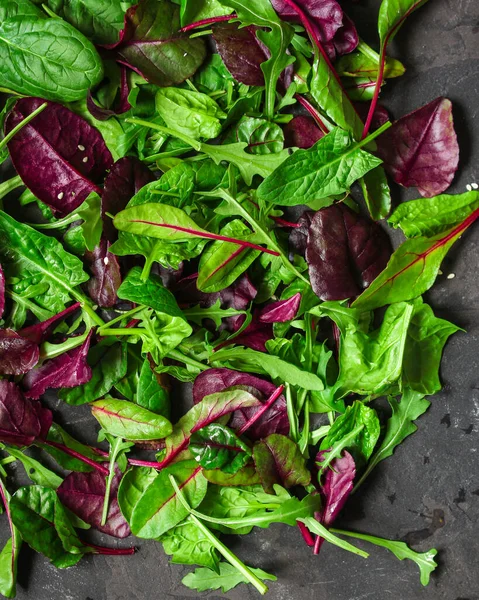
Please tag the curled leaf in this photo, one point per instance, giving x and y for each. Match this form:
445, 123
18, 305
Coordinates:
17, 354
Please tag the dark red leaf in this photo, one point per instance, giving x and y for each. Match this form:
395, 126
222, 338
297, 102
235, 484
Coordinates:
67, 370
17, 354
59, 156
344, 41
84, 493
106, 276
281, 310
380, 115
275, 420
298, 237
21, 419
126, 178
301, 132
122, 106
2, 291
40, 332
421, 150
344, 252
241, 52
336, 486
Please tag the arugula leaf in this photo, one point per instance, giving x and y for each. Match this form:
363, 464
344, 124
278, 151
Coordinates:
218, 447
228, 578
329, 168
215, 313
411, 406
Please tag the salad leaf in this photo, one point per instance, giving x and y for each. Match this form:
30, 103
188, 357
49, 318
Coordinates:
40, 332
301, 132
188, 545
218, 447
245, 476
228, 578
17, 354
106, 277
2, 291
152, 391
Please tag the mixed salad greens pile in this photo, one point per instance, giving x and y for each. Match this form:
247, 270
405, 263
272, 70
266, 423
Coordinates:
203, 181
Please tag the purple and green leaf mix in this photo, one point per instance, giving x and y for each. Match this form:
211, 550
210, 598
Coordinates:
193, 214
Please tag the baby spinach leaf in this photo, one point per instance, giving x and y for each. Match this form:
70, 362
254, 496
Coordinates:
31, 50
132, 486
129, 421
228, 578
44, 525
400, 425
195, 10
188, 545
153, 46
430, 216
262, 137
421, 150
188, 112
223, 262
108, 364
329, 168
152, 391
158, 509
218, 447
376, 193
213, 76
151, 293
278, 460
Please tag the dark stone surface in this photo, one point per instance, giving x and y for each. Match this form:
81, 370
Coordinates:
428, 493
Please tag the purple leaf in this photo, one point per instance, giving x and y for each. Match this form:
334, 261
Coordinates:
345, 40
152, 44
344, 252
279, 460
126, 178
241, 52
17, 354
336, 486
84, 493
380, 115
280, 311
59, 156
301, 132
275, 420
67, 370
123, 105
40, 332
2, 291
298, 237
21, 420
326, 16
106, 276
421, 150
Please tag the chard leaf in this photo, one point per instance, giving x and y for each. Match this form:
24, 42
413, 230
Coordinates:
191, 113
400, 425
376, 193
358, 64
421, 150
228, 578
223, 262
278, 460
218, 447
245, 476
430, 216
35, 470
108, 365
392, 15
130, 421
158, 509
30, 258
132, 486
17, 354
60, 436
44, 525
412, 269
188, 545
252, 361
329, 168
152, 44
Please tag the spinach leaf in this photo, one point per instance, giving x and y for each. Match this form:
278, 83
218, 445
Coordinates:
196, 10
188, 545
132, 486
34, 469
153, 391
262, 137
218, 447
47, 58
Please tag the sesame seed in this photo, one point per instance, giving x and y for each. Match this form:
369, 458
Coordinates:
475, 186
451, 275
469, 187
81, 148
105, 260
60, 195
85, 159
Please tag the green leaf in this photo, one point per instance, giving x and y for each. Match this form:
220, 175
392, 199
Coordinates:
191, 113
329, 168
151, 394
158, 509
228, 578
392, 14
424, 560
38, 473
371, 362
108, 363
47, 58
426, 338
9, 553
33, 260
431, 216
315, 527
197, 314
278, 460
358, 64
151, 293
213, 76
60, 436
129, 421
132, 486
411, 406
43, 524
99, 20
376, 193
262, 136
161, 333
218, 447
411, 270
196, 10
245, 476
223, 262
363, 444
188, 545
19, 8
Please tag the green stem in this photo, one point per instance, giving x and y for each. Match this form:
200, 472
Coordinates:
304, 441
53, 350
292, 414
176, 355
122, 331
11, 184
187, 139
366, 50
198, 33
57, 224
222, 549
125, 315
22, 124
115, 449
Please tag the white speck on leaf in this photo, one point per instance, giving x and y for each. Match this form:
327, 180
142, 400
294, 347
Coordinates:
81, 148
60, 195
85, 159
